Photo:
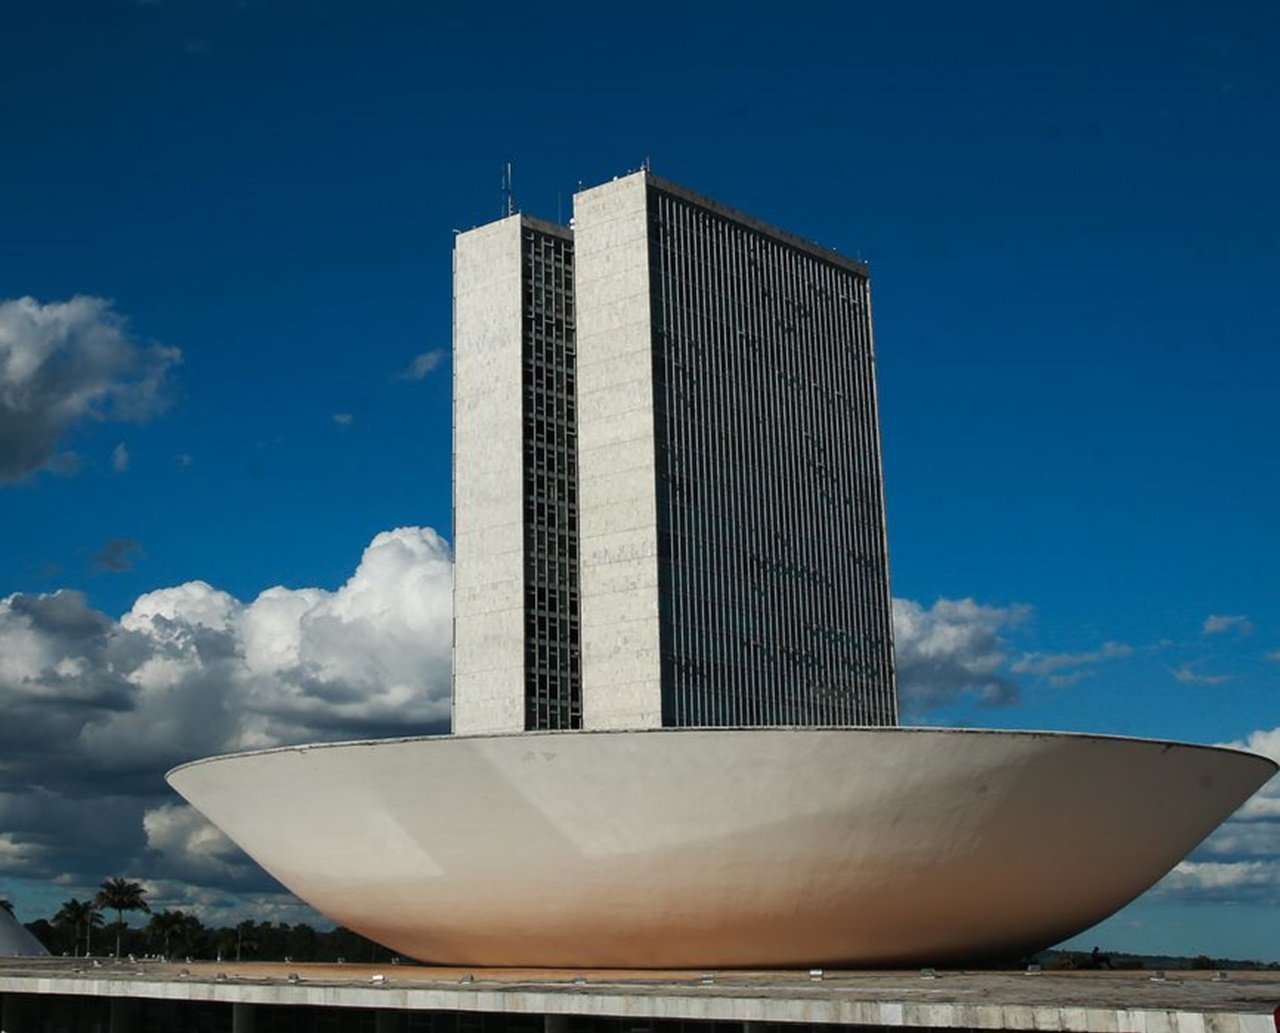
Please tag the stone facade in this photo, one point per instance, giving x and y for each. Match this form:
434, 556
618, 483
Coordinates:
488, 481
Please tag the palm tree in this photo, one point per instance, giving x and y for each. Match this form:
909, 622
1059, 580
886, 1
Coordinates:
76, 915
168, 924
121, 895
246, 941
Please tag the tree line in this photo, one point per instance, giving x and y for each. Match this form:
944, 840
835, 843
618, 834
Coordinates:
79, 929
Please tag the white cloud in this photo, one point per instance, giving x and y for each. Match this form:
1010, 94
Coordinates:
1217, 623
343, 419
952, 649
64, 363
98, 709
16, 854
1265, 804
192, 848
218, 907
120, 458
95, 710
424, 363
1248, 838
1208, 878
297, 664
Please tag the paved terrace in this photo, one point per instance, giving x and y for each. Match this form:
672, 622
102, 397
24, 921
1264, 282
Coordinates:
580, 1001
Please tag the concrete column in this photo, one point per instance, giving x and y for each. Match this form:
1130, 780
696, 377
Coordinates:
488, 479
617, 458
125, 1015
242, 1018
555, 1023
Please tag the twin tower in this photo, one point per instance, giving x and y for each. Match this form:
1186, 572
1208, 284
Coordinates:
668, 498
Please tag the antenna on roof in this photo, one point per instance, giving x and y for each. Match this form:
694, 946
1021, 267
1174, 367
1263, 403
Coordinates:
648, 165
508, 192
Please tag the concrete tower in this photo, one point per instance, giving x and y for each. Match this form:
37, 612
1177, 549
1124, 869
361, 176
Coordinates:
668, 496
516, 655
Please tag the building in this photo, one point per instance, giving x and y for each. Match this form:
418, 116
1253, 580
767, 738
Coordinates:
15, 940
517, 660
668, 500
670, 524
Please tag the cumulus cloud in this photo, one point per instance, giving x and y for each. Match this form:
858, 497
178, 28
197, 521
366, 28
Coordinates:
179, 830
15, 853
219, 906
952, 649
1251, 834
187, 849
1230, 880
1217, 623
120, 458
64, 363
97, 709
424, 363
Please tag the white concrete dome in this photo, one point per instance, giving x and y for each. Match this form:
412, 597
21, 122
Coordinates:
721, 848
15, 941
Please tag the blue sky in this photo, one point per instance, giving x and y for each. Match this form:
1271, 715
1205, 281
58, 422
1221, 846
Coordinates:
1074, 233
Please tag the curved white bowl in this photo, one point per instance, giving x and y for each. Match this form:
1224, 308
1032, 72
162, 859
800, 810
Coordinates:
699, 848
